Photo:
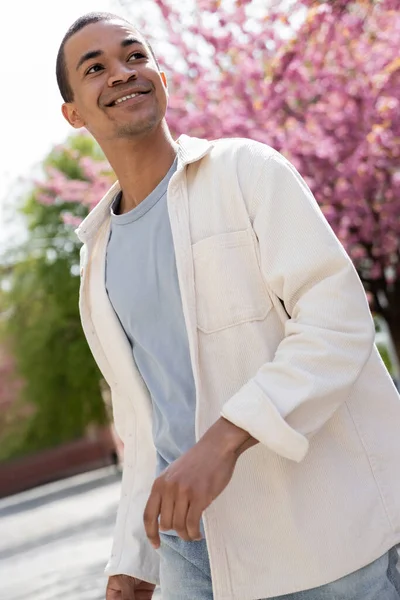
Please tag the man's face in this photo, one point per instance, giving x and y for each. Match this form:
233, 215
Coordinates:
106, 62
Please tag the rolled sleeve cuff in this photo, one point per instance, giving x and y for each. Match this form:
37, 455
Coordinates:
251, 410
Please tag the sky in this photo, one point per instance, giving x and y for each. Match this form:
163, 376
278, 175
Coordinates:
30, 116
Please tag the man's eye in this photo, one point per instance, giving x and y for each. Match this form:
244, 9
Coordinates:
94, 69
136, 56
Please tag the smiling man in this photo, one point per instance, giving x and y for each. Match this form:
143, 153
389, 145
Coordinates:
261, 428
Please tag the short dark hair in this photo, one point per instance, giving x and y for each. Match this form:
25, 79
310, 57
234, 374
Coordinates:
61, 68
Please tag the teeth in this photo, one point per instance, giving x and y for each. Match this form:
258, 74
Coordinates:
125, 98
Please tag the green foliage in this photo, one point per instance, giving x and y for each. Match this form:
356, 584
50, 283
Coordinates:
384, 352
43, 324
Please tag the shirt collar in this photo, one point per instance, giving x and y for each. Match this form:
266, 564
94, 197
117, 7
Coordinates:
190, 149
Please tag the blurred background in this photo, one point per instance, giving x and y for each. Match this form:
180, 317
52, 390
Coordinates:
319, 81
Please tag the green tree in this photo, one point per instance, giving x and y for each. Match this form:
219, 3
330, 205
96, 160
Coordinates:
40, 300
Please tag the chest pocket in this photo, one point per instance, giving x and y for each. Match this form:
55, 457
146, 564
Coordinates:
229, 285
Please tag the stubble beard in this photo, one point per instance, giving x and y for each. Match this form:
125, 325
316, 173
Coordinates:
130, 130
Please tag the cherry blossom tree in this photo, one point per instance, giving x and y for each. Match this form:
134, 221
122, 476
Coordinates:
75, 177
319, 81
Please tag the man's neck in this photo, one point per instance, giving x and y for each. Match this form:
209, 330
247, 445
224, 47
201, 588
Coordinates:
140, 165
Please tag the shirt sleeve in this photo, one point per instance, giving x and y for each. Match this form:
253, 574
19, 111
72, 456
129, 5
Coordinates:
132, 553
330, 333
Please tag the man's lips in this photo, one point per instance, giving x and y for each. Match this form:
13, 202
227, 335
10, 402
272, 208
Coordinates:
127, 96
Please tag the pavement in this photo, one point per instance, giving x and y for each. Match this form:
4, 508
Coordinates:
55, 540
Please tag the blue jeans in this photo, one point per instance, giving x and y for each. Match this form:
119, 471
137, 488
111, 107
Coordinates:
185, 575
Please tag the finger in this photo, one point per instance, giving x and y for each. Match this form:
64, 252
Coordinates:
167, 511
128, 586
193, 521
150, 518
179, 517
144, 591
112, 594
143, 595
113, 590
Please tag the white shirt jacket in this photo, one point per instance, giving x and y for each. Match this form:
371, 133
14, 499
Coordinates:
282, 344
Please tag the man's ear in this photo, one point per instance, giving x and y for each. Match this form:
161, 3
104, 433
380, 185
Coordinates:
71, 114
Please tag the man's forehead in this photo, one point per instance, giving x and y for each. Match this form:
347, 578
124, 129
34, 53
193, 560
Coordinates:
100, 36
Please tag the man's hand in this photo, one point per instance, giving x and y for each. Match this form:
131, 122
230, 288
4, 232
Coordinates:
189, 485
123, 587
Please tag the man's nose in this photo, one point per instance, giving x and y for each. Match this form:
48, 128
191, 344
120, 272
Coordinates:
121, 74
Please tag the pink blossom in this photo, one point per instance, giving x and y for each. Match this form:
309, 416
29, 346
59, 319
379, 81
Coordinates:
45, 199
71, 220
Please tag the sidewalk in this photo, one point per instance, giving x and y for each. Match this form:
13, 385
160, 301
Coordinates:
57, 490
56, 539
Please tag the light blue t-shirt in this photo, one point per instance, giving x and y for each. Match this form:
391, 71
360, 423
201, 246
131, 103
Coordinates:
142, 284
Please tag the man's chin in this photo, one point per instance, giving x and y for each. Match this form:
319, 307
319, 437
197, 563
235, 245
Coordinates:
135, 129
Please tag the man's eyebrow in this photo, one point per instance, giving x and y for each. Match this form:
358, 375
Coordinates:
129, 41
88, 56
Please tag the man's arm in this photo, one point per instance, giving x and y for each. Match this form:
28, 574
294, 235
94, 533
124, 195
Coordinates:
330, 334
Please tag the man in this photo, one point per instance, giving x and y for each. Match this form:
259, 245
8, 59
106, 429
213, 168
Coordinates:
261, 429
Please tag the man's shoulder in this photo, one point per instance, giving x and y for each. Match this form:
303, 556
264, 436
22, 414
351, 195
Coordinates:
241, 147
241, 155
249, 158
240, 158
